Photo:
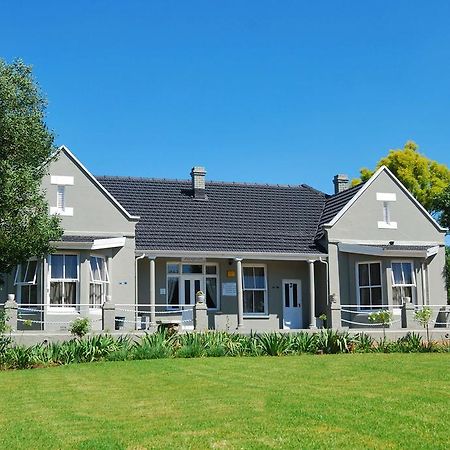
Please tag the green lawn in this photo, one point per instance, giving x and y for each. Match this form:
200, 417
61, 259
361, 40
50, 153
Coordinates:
332, 401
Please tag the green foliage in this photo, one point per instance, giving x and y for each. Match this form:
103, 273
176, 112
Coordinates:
447, 272
26, 144
424, 178
423, 316
382, 317
80, 327
443, 207
209, 344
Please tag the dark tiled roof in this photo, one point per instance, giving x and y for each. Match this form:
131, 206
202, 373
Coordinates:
235, 217
73, 238
403, 247
334, 203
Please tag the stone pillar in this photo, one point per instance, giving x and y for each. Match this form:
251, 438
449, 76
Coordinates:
109, 315
109, 269
312, 296
240, 294
334, 313
11, 312
200, 313
407, 316
152, 293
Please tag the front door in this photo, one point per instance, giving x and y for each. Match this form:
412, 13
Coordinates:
190, 285
292, 305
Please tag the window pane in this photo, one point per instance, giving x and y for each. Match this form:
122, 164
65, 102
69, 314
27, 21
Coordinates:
248, 301
95, 294
28, 294
397, 273
258, 301
31, 272
407, 273
70, 293
211, 292
95, 269
55, 293
294, 295
249, 279
56, 262
192, 268
211, 270
173, 268
364, 296
71, 262
173, 291
187, 292
363, 274
260, 281
287, 302
375, 274
397, 295
376, 296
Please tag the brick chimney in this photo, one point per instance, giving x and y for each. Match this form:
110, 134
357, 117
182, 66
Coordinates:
341, 183
198, 182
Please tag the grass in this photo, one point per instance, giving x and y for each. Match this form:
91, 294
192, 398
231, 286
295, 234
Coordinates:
333, 401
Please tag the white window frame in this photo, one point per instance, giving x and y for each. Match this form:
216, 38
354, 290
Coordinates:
20, 283
265, 290
413, 278
102, 283
358, 287
183, 276
387, 199
63, 307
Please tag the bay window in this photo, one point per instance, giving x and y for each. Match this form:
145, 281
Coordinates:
99, 280
26, 280
369, 284
255, 289
64, 278
403, 282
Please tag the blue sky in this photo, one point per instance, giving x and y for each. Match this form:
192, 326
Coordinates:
259, 91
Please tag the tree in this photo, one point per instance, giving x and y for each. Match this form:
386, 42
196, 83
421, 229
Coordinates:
424, 178
26, 145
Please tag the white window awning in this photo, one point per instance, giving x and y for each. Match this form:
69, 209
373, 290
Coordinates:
394, 250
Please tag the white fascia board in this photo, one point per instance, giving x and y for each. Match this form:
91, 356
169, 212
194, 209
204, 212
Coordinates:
403, 188
97, 183
384, 242
432, 251
233, 255
108, 243
355, 197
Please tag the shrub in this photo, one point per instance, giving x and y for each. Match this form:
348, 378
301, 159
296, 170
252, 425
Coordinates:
382, 317
304, 342
80, 327
423, 316
274, 344
331, 341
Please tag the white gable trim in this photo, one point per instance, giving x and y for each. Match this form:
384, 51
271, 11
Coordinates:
97, 183
399, 184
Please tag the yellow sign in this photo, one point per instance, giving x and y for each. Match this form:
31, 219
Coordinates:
231, 273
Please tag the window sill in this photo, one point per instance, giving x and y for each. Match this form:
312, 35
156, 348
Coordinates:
256, 316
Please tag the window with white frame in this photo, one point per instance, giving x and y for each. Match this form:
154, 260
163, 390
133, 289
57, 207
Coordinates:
255, 289
99, 280
184, 280
64, 278
369, 284
403, 282
26, 279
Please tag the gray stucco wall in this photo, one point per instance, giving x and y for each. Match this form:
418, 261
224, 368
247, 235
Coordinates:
360, 225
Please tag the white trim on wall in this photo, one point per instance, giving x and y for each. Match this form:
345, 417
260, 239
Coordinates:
61, 180
61, 212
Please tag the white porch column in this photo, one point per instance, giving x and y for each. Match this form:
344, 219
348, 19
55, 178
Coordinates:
152, 292
240, 294
312, 295
109, 269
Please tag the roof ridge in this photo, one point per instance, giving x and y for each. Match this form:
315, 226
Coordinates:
208, 182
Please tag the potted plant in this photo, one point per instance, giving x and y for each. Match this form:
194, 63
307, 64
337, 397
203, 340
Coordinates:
200, 297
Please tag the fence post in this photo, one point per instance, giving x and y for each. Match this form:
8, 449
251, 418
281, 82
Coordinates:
408, 310
334, 313
200, 313
109, 315
11, 312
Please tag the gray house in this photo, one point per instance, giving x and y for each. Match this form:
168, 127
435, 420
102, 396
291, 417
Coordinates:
266, 257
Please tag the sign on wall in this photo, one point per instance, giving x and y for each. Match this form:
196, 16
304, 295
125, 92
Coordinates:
229, 289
